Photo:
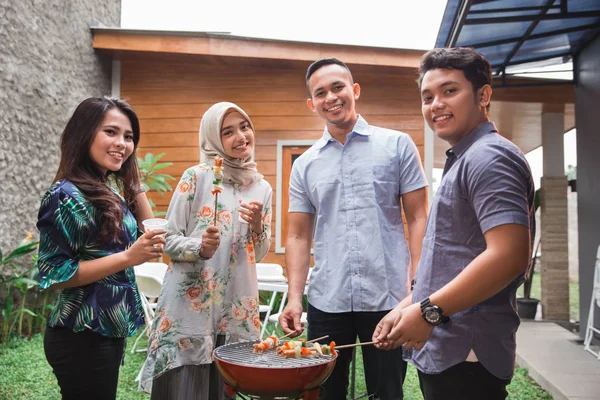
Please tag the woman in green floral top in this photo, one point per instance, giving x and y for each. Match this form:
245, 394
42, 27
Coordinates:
210, 290
89, 239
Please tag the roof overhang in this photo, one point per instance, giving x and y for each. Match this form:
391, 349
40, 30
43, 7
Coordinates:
119, 42
520, 35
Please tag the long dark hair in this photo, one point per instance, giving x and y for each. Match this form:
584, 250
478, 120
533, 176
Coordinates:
76, 164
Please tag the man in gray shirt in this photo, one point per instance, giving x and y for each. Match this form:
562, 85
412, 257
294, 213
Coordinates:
461, 318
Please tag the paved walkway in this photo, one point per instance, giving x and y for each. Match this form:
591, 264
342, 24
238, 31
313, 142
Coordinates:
557, 362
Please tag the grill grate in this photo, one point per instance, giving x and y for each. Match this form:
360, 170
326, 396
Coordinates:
241, 353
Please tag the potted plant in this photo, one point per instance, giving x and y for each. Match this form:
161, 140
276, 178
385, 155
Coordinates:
527, 306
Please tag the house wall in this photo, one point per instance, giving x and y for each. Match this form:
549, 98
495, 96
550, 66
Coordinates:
171, 97
587, 96
47, 66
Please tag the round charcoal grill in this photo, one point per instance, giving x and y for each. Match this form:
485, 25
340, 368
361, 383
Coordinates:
270, 376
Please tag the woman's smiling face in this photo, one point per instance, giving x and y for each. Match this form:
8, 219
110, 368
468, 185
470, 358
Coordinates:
113, 142
237, 136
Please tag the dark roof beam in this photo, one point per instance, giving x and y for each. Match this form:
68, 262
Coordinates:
531, 37
464, 7
525, 36
532, 84
533, 18
536, 72
512, 9
499, 67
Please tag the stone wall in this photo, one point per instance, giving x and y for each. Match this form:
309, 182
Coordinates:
47, 66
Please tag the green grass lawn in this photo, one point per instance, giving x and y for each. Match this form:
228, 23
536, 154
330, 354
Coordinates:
25, 375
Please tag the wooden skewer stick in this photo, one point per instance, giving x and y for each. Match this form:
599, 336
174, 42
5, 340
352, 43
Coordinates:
284, 336
216, 213
218, 171
345, 346
317, 339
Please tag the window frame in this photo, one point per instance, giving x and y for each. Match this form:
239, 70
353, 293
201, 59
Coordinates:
279, 249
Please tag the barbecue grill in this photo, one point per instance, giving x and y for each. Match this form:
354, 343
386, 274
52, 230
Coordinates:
270, 376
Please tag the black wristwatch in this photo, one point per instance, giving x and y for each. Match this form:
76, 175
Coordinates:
432, 314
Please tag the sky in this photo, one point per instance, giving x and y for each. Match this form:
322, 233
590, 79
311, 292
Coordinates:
407, 24
382, 23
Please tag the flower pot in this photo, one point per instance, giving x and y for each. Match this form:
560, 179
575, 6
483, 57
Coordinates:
527, 308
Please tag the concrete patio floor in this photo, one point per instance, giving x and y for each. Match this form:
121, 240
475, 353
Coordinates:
557, 361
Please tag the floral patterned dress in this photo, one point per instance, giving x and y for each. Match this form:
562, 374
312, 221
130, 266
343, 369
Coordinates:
201, 299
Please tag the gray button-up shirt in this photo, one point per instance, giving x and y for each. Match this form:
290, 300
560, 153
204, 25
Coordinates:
487, 182
354, 189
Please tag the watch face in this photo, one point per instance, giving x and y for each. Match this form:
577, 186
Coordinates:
432, 316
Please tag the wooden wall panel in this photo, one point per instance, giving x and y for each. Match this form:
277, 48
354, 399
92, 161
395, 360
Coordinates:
170, 99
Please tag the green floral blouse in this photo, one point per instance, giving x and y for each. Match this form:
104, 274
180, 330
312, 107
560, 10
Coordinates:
67, 223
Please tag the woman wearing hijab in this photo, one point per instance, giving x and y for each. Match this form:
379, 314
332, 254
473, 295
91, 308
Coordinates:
210, 292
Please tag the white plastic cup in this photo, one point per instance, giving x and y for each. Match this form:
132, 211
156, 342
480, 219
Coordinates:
154, 224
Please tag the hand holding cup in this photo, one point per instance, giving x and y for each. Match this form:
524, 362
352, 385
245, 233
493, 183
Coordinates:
148, 246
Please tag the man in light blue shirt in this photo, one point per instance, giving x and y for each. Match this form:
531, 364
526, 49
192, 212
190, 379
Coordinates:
353, 181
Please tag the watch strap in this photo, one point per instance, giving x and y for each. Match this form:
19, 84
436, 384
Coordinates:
426, 304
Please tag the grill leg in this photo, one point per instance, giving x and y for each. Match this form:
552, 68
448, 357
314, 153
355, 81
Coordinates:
229, 391
311, 394
216, 380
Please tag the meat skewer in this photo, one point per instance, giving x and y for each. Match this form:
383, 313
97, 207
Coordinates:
317, 349
269, 343
266, 344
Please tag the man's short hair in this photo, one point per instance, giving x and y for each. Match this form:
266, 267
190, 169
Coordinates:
476, 68
323, 62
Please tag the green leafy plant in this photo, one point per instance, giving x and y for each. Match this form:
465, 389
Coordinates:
152, 180
23, 282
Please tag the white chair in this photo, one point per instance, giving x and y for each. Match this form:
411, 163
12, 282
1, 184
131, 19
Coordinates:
275, 317
266, 272
149, 277
595, 301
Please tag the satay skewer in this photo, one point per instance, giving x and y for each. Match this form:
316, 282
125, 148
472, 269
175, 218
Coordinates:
284, 336
311, 351
345, 346
317, 339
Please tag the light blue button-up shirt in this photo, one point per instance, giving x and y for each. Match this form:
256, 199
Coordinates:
354, 189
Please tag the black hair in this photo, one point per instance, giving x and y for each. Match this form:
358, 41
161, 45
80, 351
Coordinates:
323, 62
476, 68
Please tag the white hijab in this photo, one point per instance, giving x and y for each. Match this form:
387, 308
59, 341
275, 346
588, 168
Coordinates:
242, 172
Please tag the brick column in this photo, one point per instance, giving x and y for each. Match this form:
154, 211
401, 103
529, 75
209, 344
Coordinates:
554, 221
555, 248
